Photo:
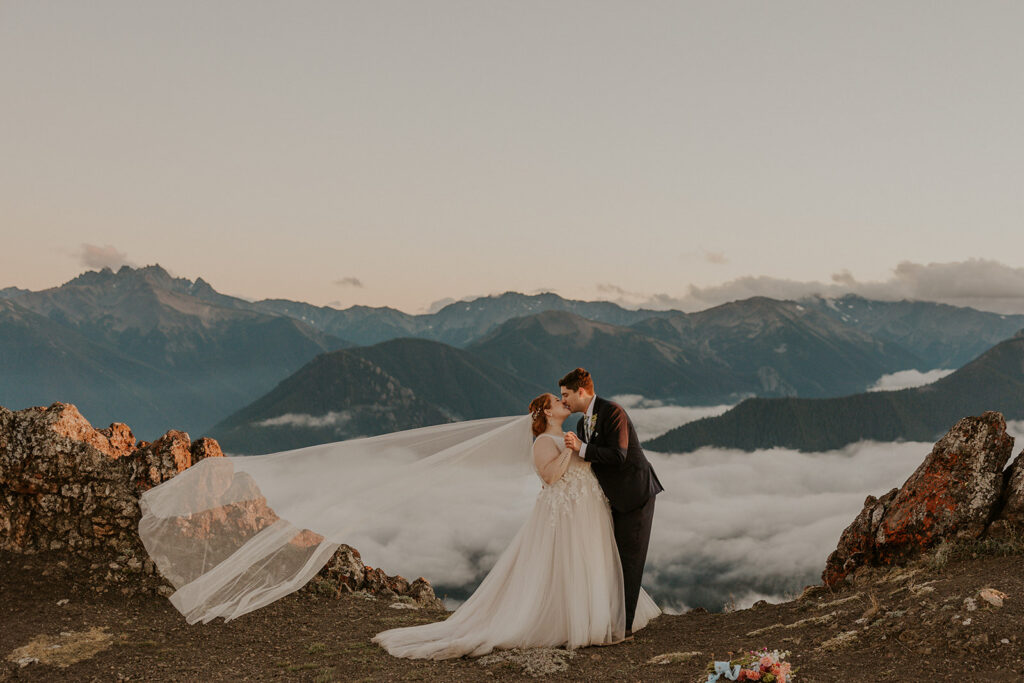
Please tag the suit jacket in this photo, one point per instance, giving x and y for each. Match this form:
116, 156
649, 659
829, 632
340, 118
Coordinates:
616, 458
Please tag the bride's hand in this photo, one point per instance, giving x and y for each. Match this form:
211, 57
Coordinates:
572, 441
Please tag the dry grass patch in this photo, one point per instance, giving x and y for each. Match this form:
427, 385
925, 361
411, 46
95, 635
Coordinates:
64, 650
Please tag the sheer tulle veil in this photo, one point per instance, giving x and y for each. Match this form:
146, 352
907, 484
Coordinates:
234, 534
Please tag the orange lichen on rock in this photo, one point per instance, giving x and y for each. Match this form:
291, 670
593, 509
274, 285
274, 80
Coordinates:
64, 419
953, 494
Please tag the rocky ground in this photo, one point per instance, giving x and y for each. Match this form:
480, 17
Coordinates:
933, 619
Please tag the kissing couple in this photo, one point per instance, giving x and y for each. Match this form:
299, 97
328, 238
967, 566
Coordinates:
571, 575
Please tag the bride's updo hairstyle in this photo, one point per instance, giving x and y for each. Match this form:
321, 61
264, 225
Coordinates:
537, 408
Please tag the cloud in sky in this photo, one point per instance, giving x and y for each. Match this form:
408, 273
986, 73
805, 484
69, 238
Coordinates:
716, 257
979, 283
631, 299
608, 288
439, 304
107, 256
905, 379
349, 282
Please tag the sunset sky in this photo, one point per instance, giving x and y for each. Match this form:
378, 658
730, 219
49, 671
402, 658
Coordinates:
402, 153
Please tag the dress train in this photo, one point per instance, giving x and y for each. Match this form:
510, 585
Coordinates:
558, 583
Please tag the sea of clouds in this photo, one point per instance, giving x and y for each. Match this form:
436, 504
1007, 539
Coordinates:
735, 527
732, 527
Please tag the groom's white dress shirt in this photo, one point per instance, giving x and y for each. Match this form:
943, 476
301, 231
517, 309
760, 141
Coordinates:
586, 426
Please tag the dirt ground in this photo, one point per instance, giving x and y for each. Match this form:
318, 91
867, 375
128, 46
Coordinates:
909, 624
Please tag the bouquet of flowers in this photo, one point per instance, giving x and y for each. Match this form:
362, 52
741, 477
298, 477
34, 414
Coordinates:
756, 665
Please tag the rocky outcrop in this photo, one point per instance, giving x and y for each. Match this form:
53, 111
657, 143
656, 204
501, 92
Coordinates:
68, 487
206, 448
159, 461
346, 573
65, 485
960, 492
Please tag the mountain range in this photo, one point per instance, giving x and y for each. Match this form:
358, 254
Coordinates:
783, 348
141, 346
394, 385
457, 324
941, 335
993, 381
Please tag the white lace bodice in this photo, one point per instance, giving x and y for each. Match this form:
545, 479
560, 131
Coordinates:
577, 482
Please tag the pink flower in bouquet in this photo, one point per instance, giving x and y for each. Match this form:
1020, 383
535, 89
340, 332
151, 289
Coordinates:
767, 662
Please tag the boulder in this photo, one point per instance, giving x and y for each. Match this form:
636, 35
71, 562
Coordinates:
421, 591
1009, 519
120, 438
64, 484
157, 462
206, 448
345, 573
951, 496
64, 419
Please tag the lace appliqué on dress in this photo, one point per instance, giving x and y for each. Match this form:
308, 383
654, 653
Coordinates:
561, 496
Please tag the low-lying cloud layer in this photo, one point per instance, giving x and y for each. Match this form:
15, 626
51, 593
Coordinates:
736, 526
979, 283
731, 526
652, 418
905, 379
331, 419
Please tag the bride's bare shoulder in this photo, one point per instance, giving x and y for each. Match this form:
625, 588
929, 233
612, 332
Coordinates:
545, 444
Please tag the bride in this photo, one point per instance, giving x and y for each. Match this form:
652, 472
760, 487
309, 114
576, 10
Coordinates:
559, 582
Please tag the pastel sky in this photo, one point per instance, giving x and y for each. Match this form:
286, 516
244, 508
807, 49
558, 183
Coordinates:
401, 153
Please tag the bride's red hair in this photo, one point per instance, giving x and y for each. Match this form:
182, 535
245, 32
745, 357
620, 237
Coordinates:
537, 408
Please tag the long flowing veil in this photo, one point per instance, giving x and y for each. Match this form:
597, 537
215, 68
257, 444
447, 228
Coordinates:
234, 534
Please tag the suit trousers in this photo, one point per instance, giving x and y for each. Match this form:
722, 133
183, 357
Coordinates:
632, 536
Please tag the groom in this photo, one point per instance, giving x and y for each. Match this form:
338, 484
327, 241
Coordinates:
605, 438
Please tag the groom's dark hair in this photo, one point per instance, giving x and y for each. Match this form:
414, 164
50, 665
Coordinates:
577, 379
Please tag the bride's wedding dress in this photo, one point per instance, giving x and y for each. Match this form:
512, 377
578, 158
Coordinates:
234, 534
559, 582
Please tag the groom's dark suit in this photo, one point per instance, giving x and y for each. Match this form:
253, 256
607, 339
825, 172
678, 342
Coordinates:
629, 483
